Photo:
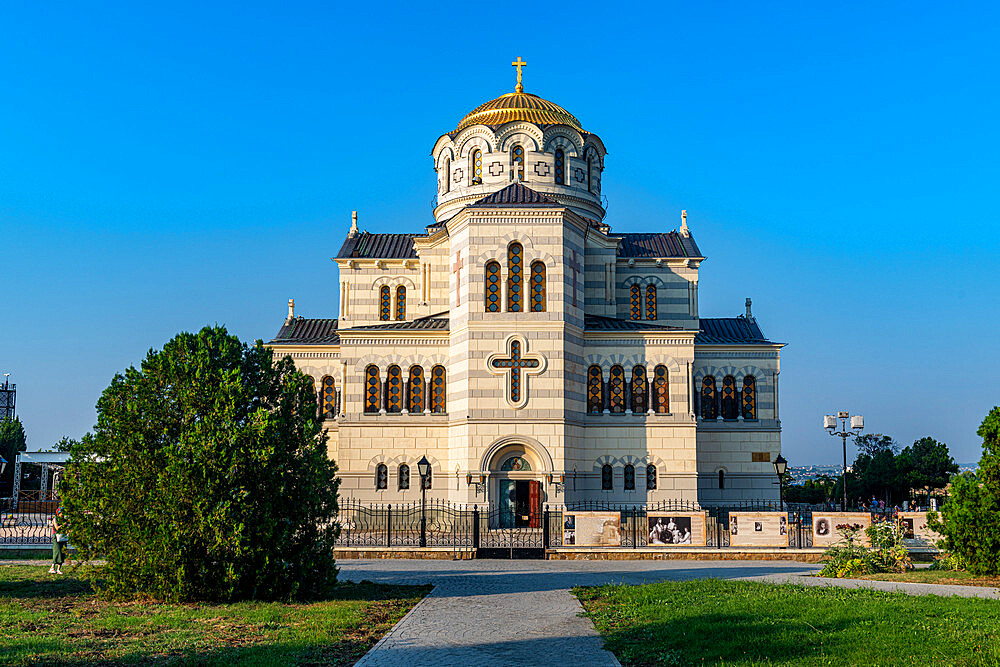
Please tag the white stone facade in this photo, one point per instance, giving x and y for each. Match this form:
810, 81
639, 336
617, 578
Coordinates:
420, 303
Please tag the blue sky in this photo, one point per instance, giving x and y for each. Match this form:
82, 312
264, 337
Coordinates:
182, 164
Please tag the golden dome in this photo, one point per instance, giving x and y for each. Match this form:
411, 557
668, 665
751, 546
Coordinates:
519, 106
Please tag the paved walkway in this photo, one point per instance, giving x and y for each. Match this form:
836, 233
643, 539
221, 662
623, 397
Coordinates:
494, 612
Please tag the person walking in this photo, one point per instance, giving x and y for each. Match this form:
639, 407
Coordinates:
59, 543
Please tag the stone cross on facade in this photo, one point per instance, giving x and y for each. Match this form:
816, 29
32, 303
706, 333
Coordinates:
574, 265
517, 365
457, 268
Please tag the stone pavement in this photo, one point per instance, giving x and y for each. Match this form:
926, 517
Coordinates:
495, 612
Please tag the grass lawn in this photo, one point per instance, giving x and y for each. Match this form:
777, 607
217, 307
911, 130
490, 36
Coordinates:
59, 620
925, 576
750, 623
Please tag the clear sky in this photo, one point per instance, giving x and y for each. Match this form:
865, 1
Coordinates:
180, 164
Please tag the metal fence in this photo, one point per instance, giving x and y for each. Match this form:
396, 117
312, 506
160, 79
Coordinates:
28, 522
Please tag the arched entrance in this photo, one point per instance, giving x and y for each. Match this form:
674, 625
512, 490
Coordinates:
516, 481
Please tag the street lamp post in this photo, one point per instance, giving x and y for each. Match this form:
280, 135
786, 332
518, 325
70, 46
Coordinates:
424, 467
780, 466
857, 425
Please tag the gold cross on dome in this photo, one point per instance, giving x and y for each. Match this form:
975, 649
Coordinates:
519, 64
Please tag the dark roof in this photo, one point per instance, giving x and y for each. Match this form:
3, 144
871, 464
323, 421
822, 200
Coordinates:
660, 244
302, 331
516, 194
726, 330
422, 324
379, 246
601, 323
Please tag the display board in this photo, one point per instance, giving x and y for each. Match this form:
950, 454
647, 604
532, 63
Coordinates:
758, 529
674, 529
592, 529
825, 533
916, 534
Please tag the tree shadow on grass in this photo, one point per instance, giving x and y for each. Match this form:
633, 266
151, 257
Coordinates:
45, 585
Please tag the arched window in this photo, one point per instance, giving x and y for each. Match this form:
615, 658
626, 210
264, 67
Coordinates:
381, 477
590, 172
515, 278
446, 177
493, 287
630, 477
415, 401
404, 477
650, 477
384, 302
394, 389
517, 162
708, 410
400, 303
639, 398
560, 167
729, 404
329, 398
476, 166
650, 302
373, 397
607, 478
749, 397
537, 287
427, 478
722, 479
635, 302
438, 390
661, 390
595, 389
616, 388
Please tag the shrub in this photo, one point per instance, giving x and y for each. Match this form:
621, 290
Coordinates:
206, 478
886, 554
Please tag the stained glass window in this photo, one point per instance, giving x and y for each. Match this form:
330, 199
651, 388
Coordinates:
329, 398
493, 287
477, 167
639, 402
517, 162
438, 387
394, 389
650, 477
749, 397
650, 302
708, 409
416, 399
729, 397
607, 477
595, 389
630, 477
515, 277
616, 388
404, 477
560, 167
381, 477
661, 390
516, 464
373, 395
635, 302
537, 287
384, 302
400, 303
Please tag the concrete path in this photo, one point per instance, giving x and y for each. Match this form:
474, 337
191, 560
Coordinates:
494, 612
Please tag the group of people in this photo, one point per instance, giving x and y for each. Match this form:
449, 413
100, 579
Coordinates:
666, 531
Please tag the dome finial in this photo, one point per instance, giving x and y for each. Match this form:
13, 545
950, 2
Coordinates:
519, 64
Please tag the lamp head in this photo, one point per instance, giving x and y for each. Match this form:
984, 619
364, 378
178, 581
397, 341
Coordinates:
780, 465
424, 466
857, 422
829, 421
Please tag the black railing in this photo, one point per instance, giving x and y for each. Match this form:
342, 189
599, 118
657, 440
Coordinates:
30, 522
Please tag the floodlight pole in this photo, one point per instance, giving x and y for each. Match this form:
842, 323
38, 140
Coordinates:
857, 425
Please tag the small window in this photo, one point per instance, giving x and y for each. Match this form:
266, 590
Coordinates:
394, 389
476, 167
650, 477
616, 388
415, 401
438, 388
595, 389
493, 287
404, 477
639, 402
400, 303
537, 287
607, 478
650, 302
729, 397
372, 390
708, 409
560, 167
661, 390
722, 479
517, 162
384, 303
446, 176
635, 302
329, 398
749, 397
381, 477
630, 478
515, 278
760, 457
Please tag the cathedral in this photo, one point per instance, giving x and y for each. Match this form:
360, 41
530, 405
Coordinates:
528, 351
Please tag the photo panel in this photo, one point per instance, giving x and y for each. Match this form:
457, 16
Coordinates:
665, 529
758, 529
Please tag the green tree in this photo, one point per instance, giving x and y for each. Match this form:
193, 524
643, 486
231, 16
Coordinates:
12, 441
970, 520
206, 477
873, 443
927, 463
